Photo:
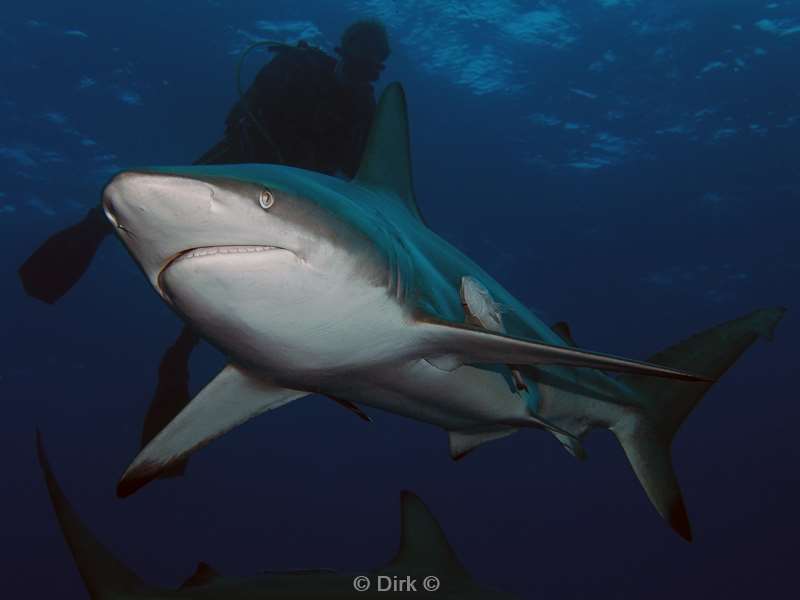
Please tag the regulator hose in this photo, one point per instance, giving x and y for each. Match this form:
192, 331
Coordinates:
274, 45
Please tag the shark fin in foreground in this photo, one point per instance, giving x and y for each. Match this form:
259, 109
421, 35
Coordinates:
103, 575
423, 544
230, 399
423, 550
646, 434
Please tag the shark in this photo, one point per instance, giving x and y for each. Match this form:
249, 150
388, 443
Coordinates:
311, 284
424, 563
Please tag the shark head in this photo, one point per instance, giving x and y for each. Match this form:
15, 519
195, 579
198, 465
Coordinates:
285, 270
170, 218
253, 253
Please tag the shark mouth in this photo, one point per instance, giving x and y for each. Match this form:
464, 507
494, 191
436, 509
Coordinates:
193, 253
213, 250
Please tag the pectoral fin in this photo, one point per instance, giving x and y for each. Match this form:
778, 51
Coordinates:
231, 398
475, 345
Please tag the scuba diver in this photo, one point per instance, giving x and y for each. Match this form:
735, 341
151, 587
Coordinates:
305, 109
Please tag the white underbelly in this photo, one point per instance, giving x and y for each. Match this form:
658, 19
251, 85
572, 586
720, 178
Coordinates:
464, 398
281, 317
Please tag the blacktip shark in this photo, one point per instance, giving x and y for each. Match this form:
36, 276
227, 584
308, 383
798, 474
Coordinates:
312, 284
424, 563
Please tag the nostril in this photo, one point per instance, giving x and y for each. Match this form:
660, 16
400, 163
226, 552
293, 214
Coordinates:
110, 216
108, 209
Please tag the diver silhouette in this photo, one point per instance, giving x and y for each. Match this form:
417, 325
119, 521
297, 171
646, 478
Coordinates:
305, 109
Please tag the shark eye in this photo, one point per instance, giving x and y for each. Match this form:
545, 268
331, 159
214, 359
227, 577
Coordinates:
266, 199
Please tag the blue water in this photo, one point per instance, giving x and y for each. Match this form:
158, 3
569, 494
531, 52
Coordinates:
629, 166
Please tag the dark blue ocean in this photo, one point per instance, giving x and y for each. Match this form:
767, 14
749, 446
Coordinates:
628, 166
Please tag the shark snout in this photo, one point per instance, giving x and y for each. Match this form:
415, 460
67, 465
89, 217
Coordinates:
135, 200
161, 216
125, 201
158, 215
113, 198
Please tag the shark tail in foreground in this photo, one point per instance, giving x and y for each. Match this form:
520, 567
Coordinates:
104, 576
424, 550
646, 434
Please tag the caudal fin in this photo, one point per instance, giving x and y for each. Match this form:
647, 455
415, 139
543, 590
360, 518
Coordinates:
646, 434
104, 576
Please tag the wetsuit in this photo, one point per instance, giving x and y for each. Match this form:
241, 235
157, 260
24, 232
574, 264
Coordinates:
298, 113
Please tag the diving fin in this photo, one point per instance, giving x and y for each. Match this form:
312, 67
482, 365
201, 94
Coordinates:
231, 398
58, 264
171, 395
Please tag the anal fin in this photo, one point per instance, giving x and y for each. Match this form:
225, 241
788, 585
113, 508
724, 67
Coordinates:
464, 442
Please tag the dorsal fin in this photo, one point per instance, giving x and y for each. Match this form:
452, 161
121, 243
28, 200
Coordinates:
386, 163
203, 575
564, 332
423, 545
100, 570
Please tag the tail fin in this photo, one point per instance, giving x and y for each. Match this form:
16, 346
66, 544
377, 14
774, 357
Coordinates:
646, 435
104, 576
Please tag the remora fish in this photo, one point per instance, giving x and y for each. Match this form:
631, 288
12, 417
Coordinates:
311, 284
424, 558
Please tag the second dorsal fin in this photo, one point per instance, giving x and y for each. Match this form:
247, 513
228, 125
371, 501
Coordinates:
203, 575
564, 332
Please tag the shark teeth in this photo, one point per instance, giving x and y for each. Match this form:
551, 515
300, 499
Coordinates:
208, 251
213, 250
